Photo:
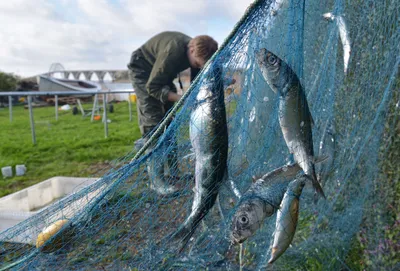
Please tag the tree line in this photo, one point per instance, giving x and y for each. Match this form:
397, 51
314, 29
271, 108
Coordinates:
8, 81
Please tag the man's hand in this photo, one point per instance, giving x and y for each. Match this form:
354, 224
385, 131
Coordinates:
173, 97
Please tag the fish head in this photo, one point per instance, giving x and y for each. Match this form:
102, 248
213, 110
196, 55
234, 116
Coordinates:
248, 218
212, 85
275, 71
328, 16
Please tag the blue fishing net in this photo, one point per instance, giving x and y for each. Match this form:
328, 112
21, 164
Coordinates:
346, 56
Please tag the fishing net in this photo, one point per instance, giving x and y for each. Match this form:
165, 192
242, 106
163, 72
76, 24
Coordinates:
120, 222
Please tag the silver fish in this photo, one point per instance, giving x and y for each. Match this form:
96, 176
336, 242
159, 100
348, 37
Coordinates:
286, 219
262, 200
209, 138
344, 36
294, 114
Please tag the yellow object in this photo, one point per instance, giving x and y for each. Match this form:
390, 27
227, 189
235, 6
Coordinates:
132, 98
50, 231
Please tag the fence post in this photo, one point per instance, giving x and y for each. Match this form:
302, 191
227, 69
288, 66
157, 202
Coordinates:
95, 104
105, 115
10, 107
31, 119
130, 108
56, 105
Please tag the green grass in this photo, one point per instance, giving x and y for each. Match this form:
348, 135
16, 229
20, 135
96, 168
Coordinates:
71, 146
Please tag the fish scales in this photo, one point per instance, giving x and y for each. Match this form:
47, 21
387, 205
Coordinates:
262, 200
287, 217
294, 113
209, 138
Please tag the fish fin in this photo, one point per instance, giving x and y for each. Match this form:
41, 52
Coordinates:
317, 186
184, 233
231, 186
320, 159
185, 241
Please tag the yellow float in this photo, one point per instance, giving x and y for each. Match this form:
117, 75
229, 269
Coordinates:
49, 232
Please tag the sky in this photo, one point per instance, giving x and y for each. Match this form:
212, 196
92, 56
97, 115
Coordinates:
100, 34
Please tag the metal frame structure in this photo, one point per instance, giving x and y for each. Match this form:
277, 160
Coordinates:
56, 94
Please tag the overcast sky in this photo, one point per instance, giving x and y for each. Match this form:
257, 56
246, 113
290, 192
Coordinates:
100, 34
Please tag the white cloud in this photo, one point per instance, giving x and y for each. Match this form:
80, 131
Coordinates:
233, 8
28, 9
101, 12
99, 34
152, 15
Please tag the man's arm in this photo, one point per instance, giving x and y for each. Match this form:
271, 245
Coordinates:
163, 73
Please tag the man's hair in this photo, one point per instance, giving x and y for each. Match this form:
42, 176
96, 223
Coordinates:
204, 46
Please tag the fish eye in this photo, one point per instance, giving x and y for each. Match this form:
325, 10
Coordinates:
272, 59
243, 219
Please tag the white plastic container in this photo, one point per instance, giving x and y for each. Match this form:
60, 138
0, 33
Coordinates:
6, 171
20, 170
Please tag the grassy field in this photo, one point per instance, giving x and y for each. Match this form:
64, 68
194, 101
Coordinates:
71, 146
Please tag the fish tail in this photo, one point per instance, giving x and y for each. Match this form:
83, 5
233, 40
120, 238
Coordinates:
274, 255
317, 185
185, 240
184, 234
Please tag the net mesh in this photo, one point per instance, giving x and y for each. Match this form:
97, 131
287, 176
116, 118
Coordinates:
347, 62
